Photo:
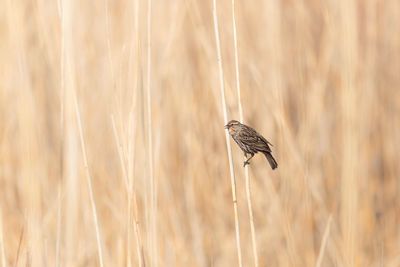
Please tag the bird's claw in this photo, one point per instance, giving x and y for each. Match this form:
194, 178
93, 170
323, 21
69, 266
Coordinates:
246, 163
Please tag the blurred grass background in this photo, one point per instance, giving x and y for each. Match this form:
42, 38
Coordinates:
319, 79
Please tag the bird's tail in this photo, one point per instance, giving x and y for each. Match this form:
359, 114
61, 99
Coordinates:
271, 160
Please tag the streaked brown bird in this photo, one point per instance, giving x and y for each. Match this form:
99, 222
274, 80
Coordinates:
250, 142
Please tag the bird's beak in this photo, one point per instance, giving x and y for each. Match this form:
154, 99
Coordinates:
226, 126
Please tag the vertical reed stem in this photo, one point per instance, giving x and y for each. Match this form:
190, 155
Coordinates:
89, 182
246, 170
153, 197
228, 144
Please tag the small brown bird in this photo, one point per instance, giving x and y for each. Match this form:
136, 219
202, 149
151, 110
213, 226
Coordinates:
250, 142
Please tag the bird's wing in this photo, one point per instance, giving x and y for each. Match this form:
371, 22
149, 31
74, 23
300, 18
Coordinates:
252, 138
266, 141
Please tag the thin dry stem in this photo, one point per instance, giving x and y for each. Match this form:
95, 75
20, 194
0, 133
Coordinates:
130, 194
349, 100
153, 197
58, 238
21, 237
109, 41
68, 138
89, 182
324, 242
3, 254
228, 144
139, 244
127, 188
120, 154
246, 170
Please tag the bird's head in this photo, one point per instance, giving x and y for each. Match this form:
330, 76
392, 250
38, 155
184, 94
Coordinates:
232, 126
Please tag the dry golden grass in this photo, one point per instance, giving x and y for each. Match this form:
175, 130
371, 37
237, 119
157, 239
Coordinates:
106, 160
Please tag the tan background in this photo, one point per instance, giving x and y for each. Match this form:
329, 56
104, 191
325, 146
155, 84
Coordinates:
319, 79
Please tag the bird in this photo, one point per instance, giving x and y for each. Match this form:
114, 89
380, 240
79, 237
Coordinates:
251, 142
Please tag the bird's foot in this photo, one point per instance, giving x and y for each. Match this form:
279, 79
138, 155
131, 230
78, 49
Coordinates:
246, 163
